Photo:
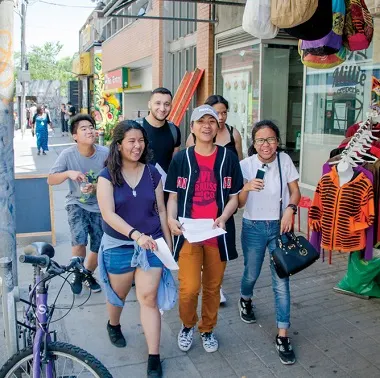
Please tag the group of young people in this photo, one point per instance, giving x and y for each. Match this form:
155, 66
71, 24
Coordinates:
125, 210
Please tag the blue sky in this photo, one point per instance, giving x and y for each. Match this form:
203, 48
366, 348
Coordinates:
47, 23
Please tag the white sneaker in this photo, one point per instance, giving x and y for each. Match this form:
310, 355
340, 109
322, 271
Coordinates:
185, 338
223, 298
210, 343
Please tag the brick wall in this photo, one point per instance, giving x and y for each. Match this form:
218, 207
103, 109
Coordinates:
205, 54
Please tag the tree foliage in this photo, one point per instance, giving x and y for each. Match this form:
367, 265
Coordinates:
44, 63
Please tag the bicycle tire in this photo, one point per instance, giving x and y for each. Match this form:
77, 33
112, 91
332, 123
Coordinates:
57, 348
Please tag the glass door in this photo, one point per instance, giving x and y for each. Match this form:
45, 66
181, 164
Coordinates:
281, 94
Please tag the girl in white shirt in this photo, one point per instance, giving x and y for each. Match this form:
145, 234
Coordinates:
262, 224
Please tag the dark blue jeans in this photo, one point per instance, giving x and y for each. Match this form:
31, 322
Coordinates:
256, 238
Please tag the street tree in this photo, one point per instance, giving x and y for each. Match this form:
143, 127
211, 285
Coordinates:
44, 64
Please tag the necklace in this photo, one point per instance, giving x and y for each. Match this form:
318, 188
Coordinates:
133, 187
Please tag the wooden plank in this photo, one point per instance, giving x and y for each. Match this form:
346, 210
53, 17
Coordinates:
27, 176
178, 97
186, 98
52, 218
31, 234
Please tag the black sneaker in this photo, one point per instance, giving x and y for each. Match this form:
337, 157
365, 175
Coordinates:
76, 283
285, 350
154, 367
116, 337
90, 282
246, 311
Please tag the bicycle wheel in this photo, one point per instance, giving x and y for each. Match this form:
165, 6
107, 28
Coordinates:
68, 360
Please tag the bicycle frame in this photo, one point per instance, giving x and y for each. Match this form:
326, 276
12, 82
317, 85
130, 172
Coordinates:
42, 335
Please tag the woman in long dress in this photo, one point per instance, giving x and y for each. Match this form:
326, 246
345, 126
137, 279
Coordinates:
41, 120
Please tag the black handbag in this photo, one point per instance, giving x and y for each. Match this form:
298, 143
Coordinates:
293, 253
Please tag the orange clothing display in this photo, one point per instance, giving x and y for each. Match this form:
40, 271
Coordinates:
342, 213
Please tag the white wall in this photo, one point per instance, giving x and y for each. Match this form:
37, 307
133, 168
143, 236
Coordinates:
132, 102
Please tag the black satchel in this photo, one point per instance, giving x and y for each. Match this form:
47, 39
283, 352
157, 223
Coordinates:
293, 253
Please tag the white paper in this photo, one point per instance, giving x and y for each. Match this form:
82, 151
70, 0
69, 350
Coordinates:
197, 230
164, 254
162, 173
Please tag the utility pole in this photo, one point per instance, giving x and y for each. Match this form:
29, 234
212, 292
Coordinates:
7, 184
22, 77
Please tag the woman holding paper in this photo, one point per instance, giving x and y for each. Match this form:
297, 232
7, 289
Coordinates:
204, 182
131, 201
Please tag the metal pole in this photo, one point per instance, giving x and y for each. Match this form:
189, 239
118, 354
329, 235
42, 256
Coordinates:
164, 18
7, 185
23, 68
8, 305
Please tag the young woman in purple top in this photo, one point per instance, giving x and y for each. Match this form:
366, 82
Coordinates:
131, 201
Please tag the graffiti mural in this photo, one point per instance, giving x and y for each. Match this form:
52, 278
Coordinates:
106, 108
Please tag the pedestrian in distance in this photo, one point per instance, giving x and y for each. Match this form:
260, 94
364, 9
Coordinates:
267, 214
40, 123
71, 110
131, 201
64, 120
204, 182
80, 165
228, 137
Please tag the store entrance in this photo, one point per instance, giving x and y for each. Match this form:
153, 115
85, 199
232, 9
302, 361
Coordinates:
281, 100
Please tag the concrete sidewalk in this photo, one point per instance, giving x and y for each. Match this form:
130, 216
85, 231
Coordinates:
333, 335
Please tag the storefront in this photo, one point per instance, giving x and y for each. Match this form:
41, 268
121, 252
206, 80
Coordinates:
261, 80
335, 99
137, 95
83, 67
313, 108
114, 84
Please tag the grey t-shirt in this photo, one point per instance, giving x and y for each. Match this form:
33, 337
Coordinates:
71, 160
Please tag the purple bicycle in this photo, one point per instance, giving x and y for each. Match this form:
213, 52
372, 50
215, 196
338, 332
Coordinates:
42, 355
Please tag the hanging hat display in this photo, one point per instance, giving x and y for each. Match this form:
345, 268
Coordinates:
318, 26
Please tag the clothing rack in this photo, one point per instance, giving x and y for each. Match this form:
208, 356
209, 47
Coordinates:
358, 146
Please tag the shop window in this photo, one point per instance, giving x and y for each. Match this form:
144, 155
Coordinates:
335, 99
237, 79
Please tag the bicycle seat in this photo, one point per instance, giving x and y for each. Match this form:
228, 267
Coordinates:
39, 249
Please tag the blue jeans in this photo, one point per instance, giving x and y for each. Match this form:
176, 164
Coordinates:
256, 237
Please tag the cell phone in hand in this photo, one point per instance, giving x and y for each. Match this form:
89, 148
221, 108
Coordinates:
260, 173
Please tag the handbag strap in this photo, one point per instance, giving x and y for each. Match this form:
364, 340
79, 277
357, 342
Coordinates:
281, 185
154, 192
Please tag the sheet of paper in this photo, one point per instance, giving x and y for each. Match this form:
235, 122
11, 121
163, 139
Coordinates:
162, 173
197, 230
164, 254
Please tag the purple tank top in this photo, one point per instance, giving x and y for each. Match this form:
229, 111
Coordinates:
140, 211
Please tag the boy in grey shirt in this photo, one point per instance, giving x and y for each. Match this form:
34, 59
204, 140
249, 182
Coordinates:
80, 164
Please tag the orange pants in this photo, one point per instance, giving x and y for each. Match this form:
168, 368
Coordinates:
199, 265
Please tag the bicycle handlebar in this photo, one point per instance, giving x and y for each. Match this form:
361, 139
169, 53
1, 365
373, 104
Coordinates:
52, 266
43, 261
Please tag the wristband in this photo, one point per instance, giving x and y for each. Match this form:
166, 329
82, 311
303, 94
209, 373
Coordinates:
131, 232
293, 207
